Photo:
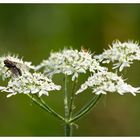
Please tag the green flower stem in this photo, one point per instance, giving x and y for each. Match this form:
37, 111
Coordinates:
86, 108
46, 107
66, 108
51, 110
67, 127
71, 105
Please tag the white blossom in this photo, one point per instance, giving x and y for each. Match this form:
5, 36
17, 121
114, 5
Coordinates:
103, 82
70, 62
30, 84
120, 54
24, 66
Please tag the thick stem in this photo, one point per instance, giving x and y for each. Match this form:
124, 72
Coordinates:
46, 107
66, 108
67, 128
71, 105
86, 108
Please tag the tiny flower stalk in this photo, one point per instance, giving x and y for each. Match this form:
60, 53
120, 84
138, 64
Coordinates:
71, 63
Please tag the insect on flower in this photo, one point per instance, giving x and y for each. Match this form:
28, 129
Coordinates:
12, 67
84, 49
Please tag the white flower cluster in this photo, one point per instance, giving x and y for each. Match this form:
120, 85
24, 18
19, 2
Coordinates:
121, 54
73, 62
30, 83
70, 62
103, 82
23, 65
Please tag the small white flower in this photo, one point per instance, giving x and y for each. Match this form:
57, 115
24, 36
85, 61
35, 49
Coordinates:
70, 62
22, 65
103, 82
30, 83
120, 54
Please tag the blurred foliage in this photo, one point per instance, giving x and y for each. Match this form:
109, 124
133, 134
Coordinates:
33, 30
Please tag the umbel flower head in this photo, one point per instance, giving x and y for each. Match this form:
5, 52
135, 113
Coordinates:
28, 83
70, 62
121, 54
104, 82
73, 62
24, 66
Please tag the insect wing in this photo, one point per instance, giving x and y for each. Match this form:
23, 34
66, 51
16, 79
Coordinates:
16, 71
24, 68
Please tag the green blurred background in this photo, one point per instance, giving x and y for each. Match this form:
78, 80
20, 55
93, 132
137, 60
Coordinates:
33, 30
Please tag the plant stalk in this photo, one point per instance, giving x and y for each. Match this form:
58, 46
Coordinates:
46, 108
72, 98
86, 108
68, 127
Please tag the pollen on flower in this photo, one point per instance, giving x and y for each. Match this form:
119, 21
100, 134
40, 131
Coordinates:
120, 54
